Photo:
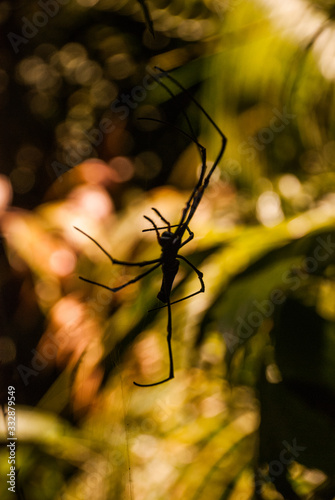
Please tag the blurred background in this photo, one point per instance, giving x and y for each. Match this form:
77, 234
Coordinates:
250, 412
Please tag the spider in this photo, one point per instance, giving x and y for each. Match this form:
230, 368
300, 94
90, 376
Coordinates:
171, 240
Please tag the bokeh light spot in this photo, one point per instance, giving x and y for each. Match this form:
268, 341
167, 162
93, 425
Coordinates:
289, 185
22, 179
7, 350
123, 168
88, 72
47, 290
148, 165
93, 200
6, 192
147, 111
28, 155
120, 66
62, 262
269, 211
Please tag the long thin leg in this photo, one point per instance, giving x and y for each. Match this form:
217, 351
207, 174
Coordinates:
116, 261
154, 229
165, 73
191, 236
168, 338
116, 289
147, 17
202, 149
197, 193
202, 283
203, 154
169, 91
163, 219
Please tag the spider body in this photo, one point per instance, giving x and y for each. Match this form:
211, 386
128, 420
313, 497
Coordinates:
169, 241
170, 244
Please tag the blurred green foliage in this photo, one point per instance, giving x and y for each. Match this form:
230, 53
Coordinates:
254, 354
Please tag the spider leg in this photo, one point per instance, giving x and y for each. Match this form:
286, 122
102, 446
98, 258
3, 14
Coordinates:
116, 261
198, 191
153, 229
133, 280
202, 151
168, 338
200, 277
172, 79
161, 216
147, 16
192, 134
191, 236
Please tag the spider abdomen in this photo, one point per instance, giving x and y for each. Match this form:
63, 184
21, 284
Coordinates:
170, 269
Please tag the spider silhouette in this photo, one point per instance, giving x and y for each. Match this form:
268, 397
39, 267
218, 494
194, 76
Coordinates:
171, 240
